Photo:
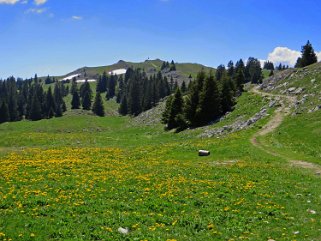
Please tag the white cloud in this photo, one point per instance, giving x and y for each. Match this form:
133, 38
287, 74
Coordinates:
77, 18
9, 1
319, 56
36, 10
284, 55
40, 2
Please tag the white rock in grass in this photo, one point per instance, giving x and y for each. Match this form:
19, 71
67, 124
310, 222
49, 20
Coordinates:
123, 230
311, 211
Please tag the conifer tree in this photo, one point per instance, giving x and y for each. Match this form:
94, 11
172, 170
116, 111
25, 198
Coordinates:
86, 101
209, 107
192, 100
123, 108
74, 87
220, 71
50, 105
308, 56
166, 113
183, 87
4, 112
35, 109
253, 71
176, 108
230, 69
75, 102
98, 106
239, 80
227, 95
172, 66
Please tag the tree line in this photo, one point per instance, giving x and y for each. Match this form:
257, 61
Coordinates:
83, 96
210, 95
137, 92
27, 99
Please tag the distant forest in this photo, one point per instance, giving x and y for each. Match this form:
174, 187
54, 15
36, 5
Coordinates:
191, 104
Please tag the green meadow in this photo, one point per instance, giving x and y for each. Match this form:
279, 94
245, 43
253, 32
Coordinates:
81, 177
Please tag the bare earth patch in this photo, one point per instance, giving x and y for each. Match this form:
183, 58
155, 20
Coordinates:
307, 165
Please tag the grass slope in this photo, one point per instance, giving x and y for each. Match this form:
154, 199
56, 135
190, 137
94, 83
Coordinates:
184, 69
83, 177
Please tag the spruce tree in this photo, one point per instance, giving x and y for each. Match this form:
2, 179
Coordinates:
192, 99
239, 80
75, 102
86, 101
227, 96
4, 112
98, 106
50, 105
35, 110
308, 56
209, 107
172, 66
176, 108
253, 71
183, 87
166, 113
230, 69
74, 87
123, 108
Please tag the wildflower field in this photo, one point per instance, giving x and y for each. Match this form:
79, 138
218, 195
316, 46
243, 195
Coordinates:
83, 177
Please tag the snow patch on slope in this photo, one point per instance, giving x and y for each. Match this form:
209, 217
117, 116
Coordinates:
118, 72
84, 80
70, 77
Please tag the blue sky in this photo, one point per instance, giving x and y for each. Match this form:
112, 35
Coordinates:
57, 36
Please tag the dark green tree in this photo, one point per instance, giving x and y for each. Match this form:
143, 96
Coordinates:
209, 107
230, 69
50, 104
253, 71
98, 106
176, 108
308, 56
4, 112
183, 87
227, 95
192, 99
172, 66
123, 108
74, 87
239, 80
86, 101
75, 102
35, 110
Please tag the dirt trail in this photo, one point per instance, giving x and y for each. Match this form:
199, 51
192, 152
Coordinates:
285, 102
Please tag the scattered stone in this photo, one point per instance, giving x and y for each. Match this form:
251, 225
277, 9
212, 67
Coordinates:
292, 89
272, 103
204, 153
311, 211
123, 230
298, 91
238, 125
313, 81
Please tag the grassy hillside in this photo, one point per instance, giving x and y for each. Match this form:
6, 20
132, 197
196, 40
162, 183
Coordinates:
299, 136
81, 177
183, 70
